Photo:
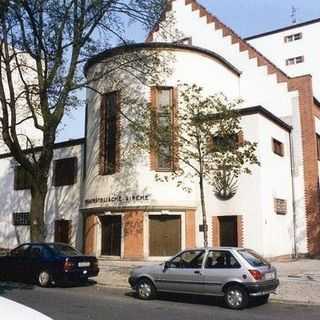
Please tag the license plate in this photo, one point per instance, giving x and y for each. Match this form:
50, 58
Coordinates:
83, 264
269, 276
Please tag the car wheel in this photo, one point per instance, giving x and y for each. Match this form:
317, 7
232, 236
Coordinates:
145, 289
236, 297
44, 279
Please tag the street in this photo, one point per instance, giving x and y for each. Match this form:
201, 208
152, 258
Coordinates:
94, 303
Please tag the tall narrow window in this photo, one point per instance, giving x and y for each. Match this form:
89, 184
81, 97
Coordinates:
110, 133
318, 146
164, 107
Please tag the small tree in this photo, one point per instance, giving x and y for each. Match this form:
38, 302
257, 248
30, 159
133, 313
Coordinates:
206, 142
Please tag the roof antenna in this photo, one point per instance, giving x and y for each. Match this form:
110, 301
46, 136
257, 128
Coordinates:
293, 15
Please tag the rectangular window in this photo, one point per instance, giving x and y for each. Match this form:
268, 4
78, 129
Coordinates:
22, 179
226, 143
21, 219
280, 206
65, 172
296, 60
164, 113
318, 146
293, 37
110, 133
277, 147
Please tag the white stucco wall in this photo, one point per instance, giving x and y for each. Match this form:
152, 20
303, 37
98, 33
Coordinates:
308, 47
257, 87
264, 231
62, 202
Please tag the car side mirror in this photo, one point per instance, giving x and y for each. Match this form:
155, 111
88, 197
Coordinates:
166, 265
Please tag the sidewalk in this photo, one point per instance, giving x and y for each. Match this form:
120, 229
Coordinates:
299, 280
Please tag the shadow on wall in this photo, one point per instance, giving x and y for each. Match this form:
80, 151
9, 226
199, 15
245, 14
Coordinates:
63, 202
11, 201
133, 106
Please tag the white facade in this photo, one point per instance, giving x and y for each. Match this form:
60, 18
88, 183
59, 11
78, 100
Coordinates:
131, 200
62, 202
278, 48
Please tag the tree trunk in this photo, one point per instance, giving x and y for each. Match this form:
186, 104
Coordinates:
37, 226
204, 213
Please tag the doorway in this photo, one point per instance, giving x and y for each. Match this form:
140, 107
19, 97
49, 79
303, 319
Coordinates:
111, 235
164, 235
228, 231
62, 231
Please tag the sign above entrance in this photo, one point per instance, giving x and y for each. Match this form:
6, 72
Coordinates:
119, 199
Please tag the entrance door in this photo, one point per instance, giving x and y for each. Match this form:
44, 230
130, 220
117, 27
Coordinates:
228, 231
111, 235
62, 231
164, 235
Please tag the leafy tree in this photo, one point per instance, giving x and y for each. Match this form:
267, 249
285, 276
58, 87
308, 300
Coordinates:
206, 142
43, 45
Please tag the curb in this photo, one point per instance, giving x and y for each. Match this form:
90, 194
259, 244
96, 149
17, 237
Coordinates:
272, 300
295, 302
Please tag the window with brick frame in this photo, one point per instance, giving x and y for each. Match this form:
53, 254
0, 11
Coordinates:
318, 146
110, 133
21, 218
164, 148
22, 179
277, 147
65, 171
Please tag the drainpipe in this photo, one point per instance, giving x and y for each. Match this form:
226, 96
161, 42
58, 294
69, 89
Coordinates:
294, 217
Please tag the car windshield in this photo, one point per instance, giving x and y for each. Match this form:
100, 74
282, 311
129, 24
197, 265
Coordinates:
253, 258
65, 250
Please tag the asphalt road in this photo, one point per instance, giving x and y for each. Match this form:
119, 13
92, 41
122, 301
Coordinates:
97, 303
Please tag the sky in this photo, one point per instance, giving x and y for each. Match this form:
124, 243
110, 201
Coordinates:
245, 17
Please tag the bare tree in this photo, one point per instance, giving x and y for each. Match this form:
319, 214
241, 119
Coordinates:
43, 46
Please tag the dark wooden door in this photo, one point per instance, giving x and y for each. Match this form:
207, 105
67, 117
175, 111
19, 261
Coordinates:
228, 231
62, 231
164, 235
111, 236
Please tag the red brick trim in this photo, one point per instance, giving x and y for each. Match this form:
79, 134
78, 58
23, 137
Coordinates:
175, 128
235, 38
303, 85
240, 231
89, 237
102, 136
190, 222
215, 231
133, 237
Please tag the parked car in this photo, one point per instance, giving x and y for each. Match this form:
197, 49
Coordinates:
47, 263
12, 310
234, 273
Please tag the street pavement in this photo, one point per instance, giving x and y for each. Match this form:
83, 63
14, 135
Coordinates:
99, 303
299, 279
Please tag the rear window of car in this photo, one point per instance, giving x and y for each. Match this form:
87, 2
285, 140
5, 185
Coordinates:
64, 250
253, 258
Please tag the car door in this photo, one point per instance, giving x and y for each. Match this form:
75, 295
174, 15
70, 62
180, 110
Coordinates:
15, 263
37, 260
220, 267
183, 273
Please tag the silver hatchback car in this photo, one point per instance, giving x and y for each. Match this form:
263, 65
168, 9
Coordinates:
234, 273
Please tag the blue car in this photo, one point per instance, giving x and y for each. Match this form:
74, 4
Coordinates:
47, 263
